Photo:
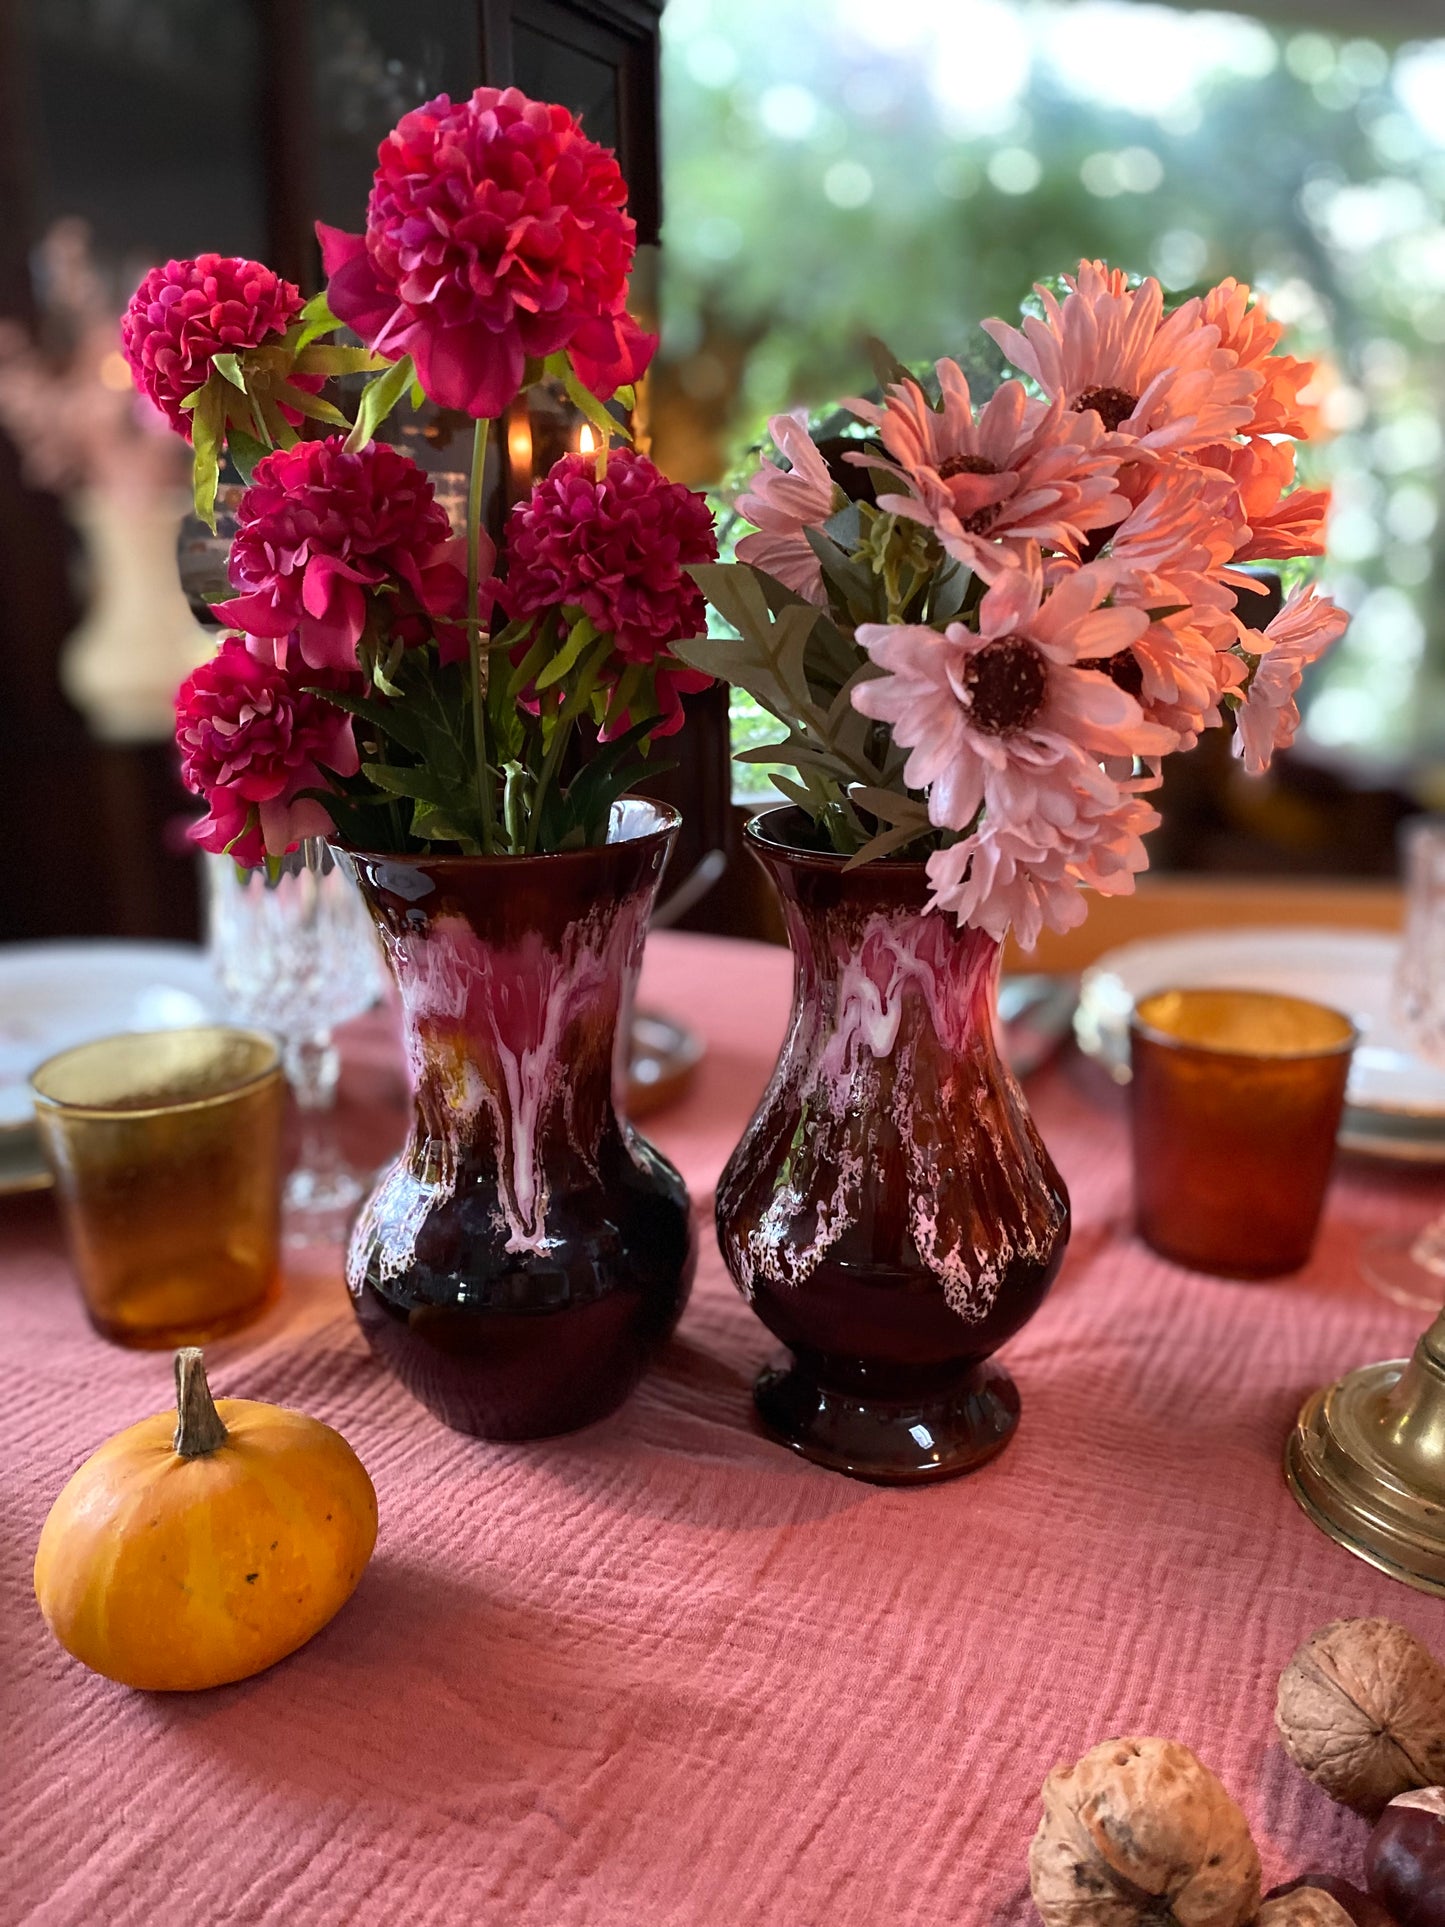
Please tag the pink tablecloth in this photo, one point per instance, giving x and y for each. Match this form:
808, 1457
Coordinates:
663, 1674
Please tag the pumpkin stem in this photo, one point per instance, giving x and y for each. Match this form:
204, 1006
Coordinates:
198, 1424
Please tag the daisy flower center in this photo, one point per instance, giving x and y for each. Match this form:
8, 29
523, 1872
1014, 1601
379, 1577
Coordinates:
1123, 668
1111, 405
982, 518
1005, 680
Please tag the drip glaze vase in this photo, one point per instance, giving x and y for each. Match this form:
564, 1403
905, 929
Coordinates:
529, 1252
891, 1213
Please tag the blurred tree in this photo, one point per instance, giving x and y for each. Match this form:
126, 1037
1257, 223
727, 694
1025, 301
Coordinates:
842, 167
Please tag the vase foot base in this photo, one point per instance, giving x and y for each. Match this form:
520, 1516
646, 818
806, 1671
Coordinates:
890, 1441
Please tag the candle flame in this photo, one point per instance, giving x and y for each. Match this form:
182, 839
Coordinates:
519, 445
587, 441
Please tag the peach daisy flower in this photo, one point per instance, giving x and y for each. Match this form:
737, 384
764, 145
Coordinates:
1170, 557
1279, 520
1163, 380
1001, 717
1269, 716
1246, 329
1020, 472
1003, 877
782, 502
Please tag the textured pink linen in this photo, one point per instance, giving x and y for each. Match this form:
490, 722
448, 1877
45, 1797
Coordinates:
663, 1674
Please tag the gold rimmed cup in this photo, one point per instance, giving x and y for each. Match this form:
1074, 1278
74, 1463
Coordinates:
1236, 1098
166, 1149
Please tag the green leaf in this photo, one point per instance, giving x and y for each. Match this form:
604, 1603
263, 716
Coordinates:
582, 398
860, 590
378, 399
423, 785
886, 365
245, 451
338, 361
402, 723
230, 367
207, 429
312, 406
316, 319
579, 636
949, 592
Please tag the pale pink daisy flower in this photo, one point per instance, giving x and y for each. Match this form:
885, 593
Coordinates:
1000, 715
1020, 472
1004, 877
1245, 328
1269, 716
1163, 380
781, 503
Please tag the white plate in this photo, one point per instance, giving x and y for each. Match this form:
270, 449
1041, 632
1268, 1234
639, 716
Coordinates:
53, 995
1396, 1101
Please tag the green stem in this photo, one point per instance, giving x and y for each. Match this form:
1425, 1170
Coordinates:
577, 699
476, 652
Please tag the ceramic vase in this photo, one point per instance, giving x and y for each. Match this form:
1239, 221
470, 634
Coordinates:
891, 1213
528, 1252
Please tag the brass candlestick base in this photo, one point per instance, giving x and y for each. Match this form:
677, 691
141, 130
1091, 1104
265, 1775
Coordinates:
1366, 1460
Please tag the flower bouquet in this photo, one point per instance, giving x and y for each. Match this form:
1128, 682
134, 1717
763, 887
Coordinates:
463, 722
981, 630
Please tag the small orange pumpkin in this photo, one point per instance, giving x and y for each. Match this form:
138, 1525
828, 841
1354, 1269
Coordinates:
192, 1552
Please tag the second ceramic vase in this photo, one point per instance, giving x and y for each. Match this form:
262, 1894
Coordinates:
891, 1213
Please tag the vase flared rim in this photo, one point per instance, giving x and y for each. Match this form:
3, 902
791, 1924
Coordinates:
756, 831
665, 821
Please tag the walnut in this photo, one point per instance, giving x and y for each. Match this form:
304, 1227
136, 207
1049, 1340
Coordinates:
1305, 1907
1362, 1711
1140, 1831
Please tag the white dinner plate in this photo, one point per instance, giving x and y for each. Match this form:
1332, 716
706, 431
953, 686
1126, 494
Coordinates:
53, 995
1396, 1101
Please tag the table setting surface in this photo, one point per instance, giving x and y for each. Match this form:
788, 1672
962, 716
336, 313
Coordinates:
663, 1671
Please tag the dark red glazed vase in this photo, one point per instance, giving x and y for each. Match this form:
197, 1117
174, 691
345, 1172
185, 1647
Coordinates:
891, 1213
529, 1251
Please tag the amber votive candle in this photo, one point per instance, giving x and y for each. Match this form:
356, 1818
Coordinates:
1236, 1099
166, 1149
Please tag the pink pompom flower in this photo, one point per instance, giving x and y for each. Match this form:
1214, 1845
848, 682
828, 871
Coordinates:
495, 234
321, 533
184, 314
251, 738
615, 547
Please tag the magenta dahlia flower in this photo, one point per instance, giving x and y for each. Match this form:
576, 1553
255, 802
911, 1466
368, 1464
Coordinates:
251, 738
495, 232
319, 532
614, 545
188, 311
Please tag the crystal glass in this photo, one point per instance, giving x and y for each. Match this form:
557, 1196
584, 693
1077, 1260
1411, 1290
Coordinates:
1236, 1098
166, 1149
295, 954
1411, 1268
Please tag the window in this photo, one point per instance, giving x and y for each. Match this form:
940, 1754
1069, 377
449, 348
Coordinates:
842, 167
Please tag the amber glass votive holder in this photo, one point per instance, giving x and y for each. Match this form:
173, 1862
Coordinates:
166, 1149
1236, 1100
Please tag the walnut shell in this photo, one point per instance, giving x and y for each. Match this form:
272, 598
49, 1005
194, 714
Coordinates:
1305, 1907
1140, 1831
1361, 1710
